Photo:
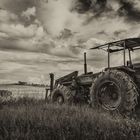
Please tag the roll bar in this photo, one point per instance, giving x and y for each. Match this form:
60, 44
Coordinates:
129, 44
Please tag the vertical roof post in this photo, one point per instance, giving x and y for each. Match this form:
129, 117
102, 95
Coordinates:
124, 53
108, 56
130, 58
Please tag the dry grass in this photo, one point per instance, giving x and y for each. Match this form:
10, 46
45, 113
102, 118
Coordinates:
34, 120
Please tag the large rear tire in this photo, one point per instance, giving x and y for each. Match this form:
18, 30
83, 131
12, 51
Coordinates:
62, 94
115, 91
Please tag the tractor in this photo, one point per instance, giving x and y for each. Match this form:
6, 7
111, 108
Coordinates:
114, 89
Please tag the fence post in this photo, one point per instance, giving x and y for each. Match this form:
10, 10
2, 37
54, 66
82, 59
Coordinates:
51, 81
51, 87
46, 96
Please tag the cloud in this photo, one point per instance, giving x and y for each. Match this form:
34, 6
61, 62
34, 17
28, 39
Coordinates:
18, 30
7, 17
3, 35
38, 37
130, 9
15, 66
57, 15
30, 12
92, 42
17, 7
95, 6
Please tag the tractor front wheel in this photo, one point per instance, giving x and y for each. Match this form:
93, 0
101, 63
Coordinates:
62, 94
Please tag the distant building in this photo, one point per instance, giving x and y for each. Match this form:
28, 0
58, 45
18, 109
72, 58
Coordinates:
22, 83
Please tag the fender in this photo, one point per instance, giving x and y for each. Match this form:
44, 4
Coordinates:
128, 70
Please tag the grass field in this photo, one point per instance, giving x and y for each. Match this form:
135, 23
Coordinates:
29, 119
19, 91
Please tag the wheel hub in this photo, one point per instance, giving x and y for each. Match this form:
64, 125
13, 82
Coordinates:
60, 100
109, 95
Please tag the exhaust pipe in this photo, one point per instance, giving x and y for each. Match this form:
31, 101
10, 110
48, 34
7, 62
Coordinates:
85, 63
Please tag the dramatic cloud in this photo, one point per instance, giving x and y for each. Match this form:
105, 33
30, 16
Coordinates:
130, 9
57, 15
30, 12
95, 6
18, 6
42, 36
7, 17
18, 31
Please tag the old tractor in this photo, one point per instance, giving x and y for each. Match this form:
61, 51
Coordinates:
115, 89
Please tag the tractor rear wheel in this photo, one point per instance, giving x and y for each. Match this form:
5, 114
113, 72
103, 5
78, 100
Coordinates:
63, 94
115, 91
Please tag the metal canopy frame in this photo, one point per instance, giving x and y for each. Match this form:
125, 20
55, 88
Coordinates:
129, 44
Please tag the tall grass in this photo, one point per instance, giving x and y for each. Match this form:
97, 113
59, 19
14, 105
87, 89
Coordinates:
39, 121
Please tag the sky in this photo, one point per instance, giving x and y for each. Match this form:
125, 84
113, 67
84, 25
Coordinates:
38, 37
